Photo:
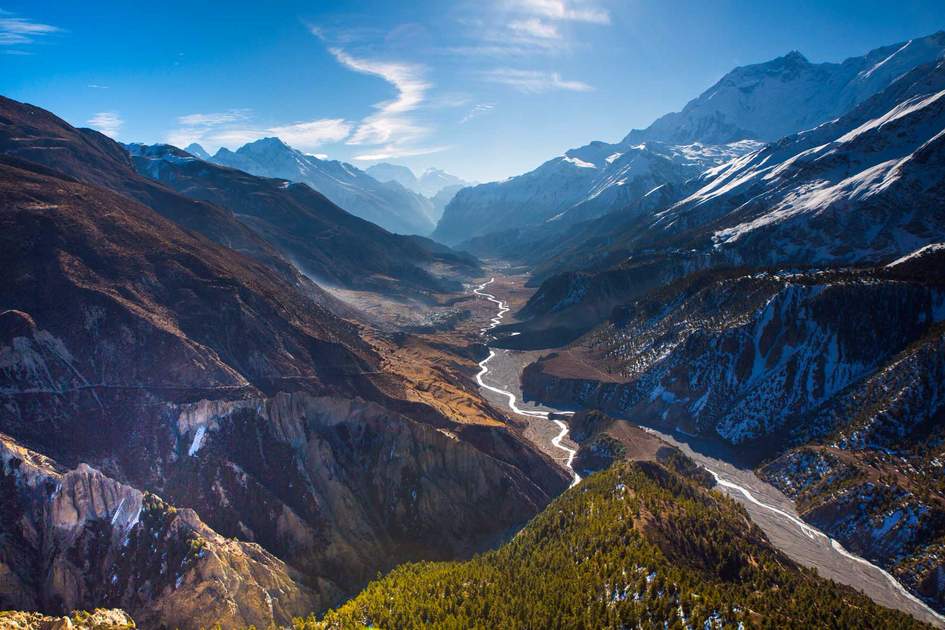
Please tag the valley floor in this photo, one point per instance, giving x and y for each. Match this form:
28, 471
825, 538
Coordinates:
768, 507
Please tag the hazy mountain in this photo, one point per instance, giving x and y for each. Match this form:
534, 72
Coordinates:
385, 172
326, 242
388, 205
430, 184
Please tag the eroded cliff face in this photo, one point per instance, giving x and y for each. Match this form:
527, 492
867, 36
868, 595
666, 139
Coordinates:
344, 488
78, 539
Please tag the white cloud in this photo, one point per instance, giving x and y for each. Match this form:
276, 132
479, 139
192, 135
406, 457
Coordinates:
393, 151
96, 86
533, 81
216, 118
314, 133
106, 122
526, 27
390, 124
476, 111
564, 10
233, 128
16, 31
534, 27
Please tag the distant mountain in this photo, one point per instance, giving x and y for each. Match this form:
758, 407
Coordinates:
324, 241
751, 104
433, 180
197, 151
386, 172
389, 205
430, 184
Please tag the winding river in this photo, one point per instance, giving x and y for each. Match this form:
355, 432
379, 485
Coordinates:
769, 508
484, 369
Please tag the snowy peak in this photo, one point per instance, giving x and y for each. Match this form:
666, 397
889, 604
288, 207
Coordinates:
777, 98
390, 206
197, 151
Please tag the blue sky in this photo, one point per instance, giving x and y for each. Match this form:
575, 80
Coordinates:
485, 89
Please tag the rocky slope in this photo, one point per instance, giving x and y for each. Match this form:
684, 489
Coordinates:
38, 136
99, 619
636, 546
388, 205
76, 537
325, 242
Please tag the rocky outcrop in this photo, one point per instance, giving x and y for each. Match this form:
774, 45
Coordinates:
98, 619
78, 539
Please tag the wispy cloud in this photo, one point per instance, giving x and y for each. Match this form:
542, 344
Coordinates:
390, 123
565, 10
393, 151
234, 128
394, 129
215, 118
476, 111
19, 31
96, 86
533, 27
108, 123
533, 81
527, 27
314, 133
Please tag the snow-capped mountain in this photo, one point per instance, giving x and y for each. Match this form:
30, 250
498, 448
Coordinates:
581, 184
867, 186
434, 180
750, 105
430, 183
387, 204
770, 100
197, 151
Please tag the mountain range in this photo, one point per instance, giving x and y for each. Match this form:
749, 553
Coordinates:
749, 106
387, 204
